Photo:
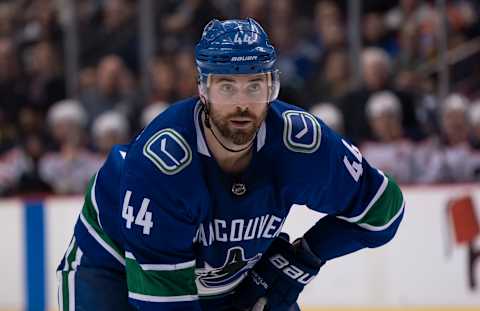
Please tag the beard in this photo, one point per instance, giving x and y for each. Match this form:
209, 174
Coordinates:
236, 135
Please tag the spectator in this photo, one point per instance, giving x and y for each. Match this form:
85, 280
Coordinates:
390, 151
407, 11
13, 164
455, 132
69, 169
330, 114
328, 28
39, 22
181, 21
163, 80
375, 34
114, 89
185, 72
7, 11
295, 59
109, 129
46, 83
151, 112
463, 18
19, 168
474, 121
331, 81
87, 78
447, 158
12, 90
256, 9
376, 72
409, 55
115, 33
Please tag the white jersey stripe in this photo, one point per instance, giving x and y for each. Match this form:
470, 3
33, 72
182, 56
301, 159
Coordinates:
385, 226
94, 200
261, 136
375, 198
162, 298
60, 290
78, 259
162, 267
129, 255
71, 291
201, 144
67, 254
105, 245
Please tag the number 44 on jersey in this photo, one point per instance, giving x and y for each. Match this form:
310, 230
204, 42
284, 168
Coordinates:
143, 218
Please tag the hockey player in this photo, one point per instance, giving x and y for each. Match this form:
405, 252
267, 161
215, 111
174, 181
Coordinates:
188, 216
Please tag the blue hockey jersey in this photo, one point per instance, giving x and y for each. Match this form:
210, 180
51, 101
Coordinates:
186, 233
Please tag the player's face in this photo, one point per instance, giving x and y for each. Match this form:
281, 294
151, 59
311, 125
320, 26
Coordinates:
238, 105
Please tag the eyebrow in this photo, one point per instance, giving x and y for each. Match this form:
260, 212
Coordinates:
225, 79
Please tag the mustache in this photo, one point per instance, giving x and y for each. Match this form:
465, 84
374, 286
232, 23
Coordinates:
241, 113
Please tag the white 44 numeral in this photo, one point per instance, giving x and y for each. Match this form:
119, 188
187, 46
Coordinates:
246, 38
144, 217
354, 168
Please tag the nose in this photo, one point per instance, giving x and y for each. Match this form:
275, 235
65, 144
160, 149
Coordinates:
242, 101
242, 110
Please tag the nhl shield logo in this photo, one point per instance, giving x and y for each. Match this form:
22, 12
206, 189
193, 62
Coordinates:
239, 189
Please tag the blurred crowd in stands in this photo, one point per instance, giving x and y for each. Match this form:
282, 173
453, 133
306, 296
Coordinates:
51, 142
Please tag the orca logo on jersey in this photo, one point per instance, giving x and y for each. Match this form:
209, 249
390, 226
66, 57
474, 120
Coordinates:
301, 132
169, 151
213, 281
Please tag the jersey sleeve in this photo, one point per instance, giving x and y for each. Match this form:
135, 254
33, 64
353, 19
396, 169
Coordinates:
159, 225
364, 206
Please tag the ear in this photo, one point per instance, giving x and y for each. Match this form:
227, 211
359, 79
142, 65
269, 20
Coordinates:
201, 93
203, 99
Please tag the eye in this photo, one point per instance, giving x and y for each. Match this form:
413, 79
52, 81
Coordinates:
254, 87
226, 88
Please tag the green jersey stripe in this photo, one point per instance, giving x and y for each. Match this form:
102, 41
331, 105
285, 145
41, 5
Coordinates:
103, 240
169, 283
66, 277
387, 207
89, 217
65, 297
70, 254
64, 290
162, 267
60, 297
162, 299
375, 198
385, 226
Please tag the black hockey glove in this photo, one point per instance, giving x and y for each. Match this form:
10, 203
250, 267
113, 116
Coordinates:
279, 276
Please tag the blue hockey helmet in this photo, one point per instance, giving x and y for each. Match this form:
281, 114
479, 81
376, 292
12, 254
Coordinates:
236, 47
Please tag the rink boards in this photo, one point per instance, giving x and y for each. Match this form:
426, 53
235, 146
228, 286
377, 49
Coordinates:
423, 268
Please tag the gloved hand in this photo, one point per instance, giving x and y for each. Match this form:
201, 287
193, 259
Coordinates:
279, 276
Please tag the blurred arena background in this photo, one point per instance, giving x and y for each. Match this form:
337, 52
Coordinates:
401, 79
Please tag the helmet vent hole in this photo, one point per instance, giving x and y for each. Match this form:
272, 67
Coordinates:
237, 68
252, 68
